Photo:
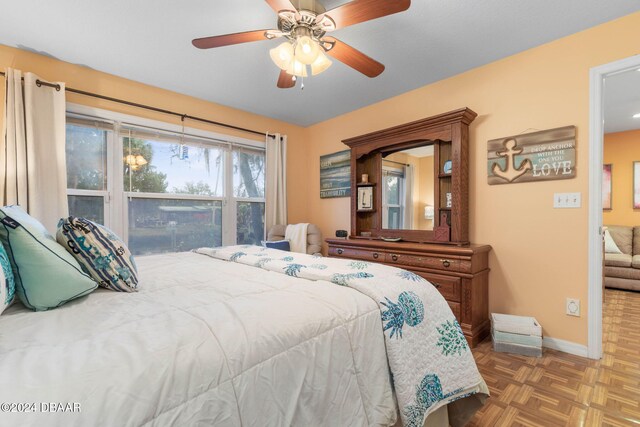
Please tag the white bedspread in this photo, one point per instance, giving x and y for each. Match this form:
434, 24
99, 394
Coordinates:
430, 361
204, 342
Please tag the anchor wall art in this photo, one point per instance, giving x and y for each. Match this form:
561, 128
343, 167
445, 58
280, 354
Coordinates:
539, 156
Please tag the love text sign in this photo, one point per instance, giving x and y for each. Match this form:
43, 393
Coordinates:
539, 156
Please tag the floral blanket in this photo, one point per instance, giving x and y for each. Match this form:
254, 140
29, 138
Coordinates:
430, 362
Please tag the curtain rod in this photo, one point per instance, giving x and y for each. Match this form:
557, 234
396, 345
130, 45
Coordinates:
146, 107
397, 163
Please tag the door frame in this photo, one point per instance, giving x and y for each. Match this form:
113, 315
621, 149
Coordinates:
598, 76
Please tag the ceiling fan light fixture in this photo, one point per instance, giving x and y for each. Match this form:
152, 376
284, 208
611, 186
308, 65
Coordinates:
297, 68
304, 25
320, 64
282, 55
307, 50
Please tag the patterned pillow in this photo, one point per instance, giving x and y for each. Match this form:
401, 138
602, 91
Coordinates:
45, 275
100, 252
7, 284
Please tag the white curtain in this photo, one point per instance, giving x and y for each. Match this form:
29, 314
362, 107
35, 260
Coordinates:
408, 197
33, 171
276, 191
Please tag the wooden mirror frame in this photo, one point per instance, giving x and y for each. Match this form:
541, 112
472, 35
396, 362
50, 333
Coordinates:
366, 158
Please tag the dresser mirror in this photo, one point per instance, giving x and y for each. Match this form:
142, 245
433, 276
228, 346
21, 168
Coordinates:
408, 189
416, 180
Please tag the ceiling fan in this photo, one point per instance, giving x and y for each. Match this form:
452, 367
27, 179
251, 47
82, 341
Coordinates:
304, 26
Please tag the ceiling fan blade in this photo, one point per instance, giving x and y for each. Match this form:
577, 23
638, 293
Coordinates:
354, 58
285, 81
278, 5
229, 39
364, 10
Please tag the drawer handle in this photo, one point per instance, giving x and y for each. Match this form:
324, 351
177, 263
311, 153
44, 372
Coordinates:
394, 257
375, 255
446, 263
340, 251
435, 285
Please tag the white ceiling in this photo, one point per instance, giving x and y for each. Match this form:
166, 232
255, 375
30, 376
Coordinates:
622, 102
150, 41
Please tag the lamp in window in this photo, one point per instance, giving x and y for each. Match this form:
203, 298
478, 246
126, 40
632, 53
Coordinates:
135, 162
429, 212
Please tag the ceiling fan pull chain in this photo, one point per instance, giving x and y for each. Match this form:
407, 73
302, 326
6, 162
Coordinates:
302, 83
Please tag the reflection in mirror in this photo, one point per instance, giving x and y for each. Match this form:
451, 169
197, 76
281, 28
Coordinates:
407, 189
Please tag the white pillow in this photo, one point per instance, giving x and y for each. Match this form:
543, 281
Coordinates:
610, 246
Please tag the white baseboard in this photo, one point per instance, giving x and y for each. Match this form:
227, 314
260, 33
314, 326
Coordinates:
565, 346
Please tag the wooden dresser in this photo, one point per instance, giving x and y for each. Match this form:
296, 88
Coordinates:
460, 273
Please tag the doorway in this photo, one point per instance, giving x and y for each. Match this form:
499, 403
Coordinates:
598, 76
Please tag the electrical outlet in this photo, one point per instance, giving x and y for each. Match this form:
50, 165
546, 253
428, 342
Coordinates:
573, 307
567, 200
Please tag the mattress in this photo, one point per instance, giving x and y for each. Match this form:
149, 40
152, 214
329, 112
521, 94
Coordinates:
204, 342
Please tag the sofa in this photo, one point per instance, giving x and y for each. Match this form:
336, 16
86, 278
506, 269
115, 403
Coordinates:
622, 271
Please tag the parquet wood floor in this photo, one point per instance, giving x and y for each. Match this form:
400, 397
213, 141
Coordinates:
560, 389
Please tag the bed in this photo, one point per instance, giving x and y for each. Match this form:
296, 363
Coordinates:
207, 340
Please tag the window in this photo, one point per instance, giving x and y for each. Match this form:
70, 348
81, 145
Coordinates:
248, 191
173, 225
86, 153
165, 191
175, 192
392, 193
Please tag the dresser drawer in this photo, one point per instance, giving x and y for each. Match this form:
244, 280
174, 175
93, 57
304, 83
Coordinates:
440, 263
356, 254
460, 274
455, 307
448, 286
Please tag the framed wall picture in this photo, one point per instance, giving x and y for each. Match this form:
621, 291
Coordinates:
636, 185
335, 175
365, 198
606, 187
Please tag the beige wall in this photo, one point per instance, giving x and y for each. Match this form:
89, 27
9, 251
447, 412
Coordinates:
425, 196
90, 80
539, 255
621, 149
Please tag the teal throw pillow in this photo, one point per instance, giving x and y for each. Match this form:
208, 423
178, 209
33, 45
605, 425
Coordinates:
46, 275
7, 284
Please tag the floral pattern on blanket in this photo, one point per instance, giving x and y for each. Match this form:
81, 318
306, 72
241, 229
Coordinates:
421, 333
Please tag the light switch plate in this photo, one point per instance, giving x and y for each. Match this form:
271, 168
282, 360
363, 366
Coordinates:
567, 200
